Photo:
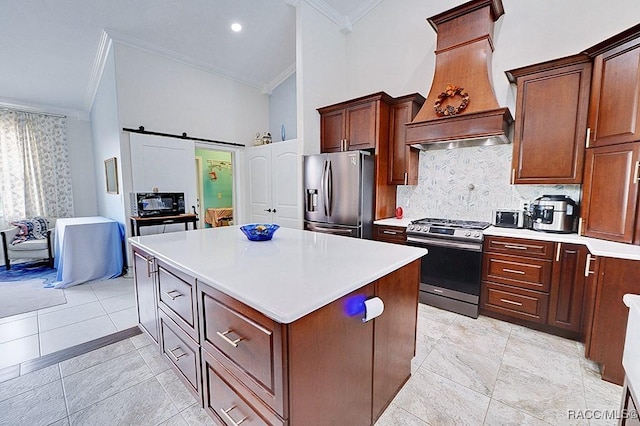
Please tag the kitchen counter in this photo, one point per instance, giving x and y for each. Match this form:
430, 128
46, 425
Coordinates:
286, 278
596, 247
392, 221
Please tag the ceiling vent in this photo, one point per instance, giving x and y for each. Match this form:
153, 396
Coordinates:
461, 108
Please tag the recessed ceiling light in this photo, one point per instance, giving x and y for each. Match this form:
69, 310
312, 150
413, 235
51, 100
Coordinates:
236, 27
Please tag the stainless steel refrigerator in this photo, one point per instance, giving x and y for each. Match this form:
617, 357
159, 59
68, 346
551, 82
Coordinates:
338, 193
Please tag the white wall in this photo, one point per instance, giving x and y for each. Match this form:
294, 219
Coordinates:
81, 158
106, 142
167, 96
321, 64
282, 110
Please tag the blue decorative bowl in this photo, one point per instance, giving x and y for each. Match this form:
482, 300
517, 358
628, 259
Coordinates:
259, 231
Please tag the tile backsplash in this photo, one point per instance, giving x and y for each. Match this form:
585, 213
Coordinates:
469, 183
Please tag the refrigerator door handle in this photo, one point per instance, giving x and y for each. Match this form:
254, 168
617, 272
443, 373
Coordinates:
323, 180
330, 188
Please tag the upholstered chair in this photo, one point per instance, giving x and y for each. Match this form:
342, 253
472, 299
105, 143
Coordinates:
30, 249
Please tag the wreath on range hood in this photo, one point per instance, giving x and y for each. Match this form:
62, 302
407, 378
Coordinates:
449, 92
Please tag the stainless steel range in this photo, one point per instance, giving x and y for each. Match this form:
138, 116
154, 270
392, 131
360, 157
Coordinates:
451, 273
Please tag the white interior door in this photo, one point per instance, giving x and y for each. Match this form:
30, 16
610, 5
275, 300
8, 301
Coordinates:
258, 161
285, 184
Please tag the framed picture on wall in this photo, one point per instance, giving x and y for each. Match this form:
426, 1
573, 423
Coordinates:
111, 174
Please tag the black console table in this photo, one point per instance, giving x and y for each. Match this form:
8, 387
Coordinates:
138, 222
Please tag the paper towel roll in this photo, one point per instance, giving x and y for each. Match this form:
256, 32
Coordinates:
372, 308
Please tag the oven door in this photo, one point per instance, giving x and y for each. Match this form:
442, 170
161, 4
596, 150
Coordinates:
451, 267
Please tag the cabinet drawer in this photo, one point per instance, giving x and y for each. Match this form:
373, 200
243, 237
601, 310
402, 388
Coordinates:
229, 401
519, 247
181, 351
177, 298
532, 274
515, 302
246, 342
390, 234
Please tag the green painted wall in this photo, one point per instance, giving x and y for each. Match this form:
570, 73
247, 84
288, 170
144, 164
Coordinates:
218, 192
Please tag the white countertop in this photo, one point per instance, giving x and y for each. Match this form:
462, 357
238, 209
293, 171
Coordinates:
392, 221
596, 247
285, 278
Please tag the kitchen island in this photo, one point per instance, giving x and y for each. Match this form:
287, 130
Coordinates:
273, 331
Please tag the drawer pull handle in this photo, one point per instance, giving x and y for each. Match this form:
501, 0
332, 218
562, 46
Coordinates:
511, 302
177, 357
513, 271
228, 416
511, 246
173, 294
390, 232
233, 343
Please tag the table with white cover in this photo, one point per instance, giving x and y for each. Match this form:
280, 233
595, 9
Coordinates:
86, 249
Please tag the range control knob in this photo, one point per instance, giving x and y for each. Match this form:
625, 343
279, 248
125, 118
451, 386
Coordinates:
477, 235
418, 228
411, 227
467, 234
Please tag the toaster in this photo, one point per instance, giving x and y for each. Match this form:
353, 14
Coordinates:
509, 218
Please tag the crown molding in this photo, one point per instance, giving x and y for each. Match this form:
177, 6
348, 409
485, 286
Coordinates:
104, 47
184, 59
364, 8
43, 109
344, 22
288, 72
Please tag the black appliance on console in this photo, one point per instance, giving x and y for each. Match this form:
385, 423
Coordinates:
451, 272
149, 204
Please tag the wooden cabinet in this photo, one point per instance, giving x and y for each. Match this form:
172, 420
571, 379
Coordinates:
616, 277
356, 124
551, 121
539, 282
403, 159
516, 278
145, 289
390, 234
568, 285
614, 111
610, 198
328, 367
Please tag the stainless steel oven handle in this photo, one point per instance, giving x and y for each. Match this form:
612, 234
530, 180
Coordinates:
446, 243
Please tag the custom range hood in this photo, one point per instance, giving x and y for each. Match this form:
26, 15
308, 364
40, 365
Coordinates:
461, 109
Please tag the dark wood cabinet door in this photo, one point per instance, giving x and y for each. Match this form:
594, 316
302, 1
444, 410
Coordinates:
611, 192
394, 334
551, 122
361, 126
617, 277
614, 110
403, 159
568, 287
145, 283
332, 128
340, 385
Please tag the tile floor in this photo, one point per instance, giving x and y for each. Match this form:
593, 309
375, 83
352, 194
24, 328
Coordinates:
93, 309
472, 372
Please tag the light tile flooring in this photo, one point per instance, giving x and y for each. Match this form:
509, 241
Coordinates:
466, 371
93, 309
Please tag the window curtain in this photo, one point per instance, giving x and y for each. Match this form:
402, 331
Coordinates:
35, 177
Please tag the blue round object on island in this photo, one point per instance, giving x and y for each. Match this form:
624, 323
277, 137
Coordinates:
259, 231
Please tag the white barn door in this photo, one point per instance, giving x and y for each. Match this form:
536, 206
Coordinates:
164, 163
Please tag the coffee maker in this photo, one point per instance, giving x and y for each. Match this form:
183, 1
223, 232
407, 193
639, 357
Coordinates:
554, 213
